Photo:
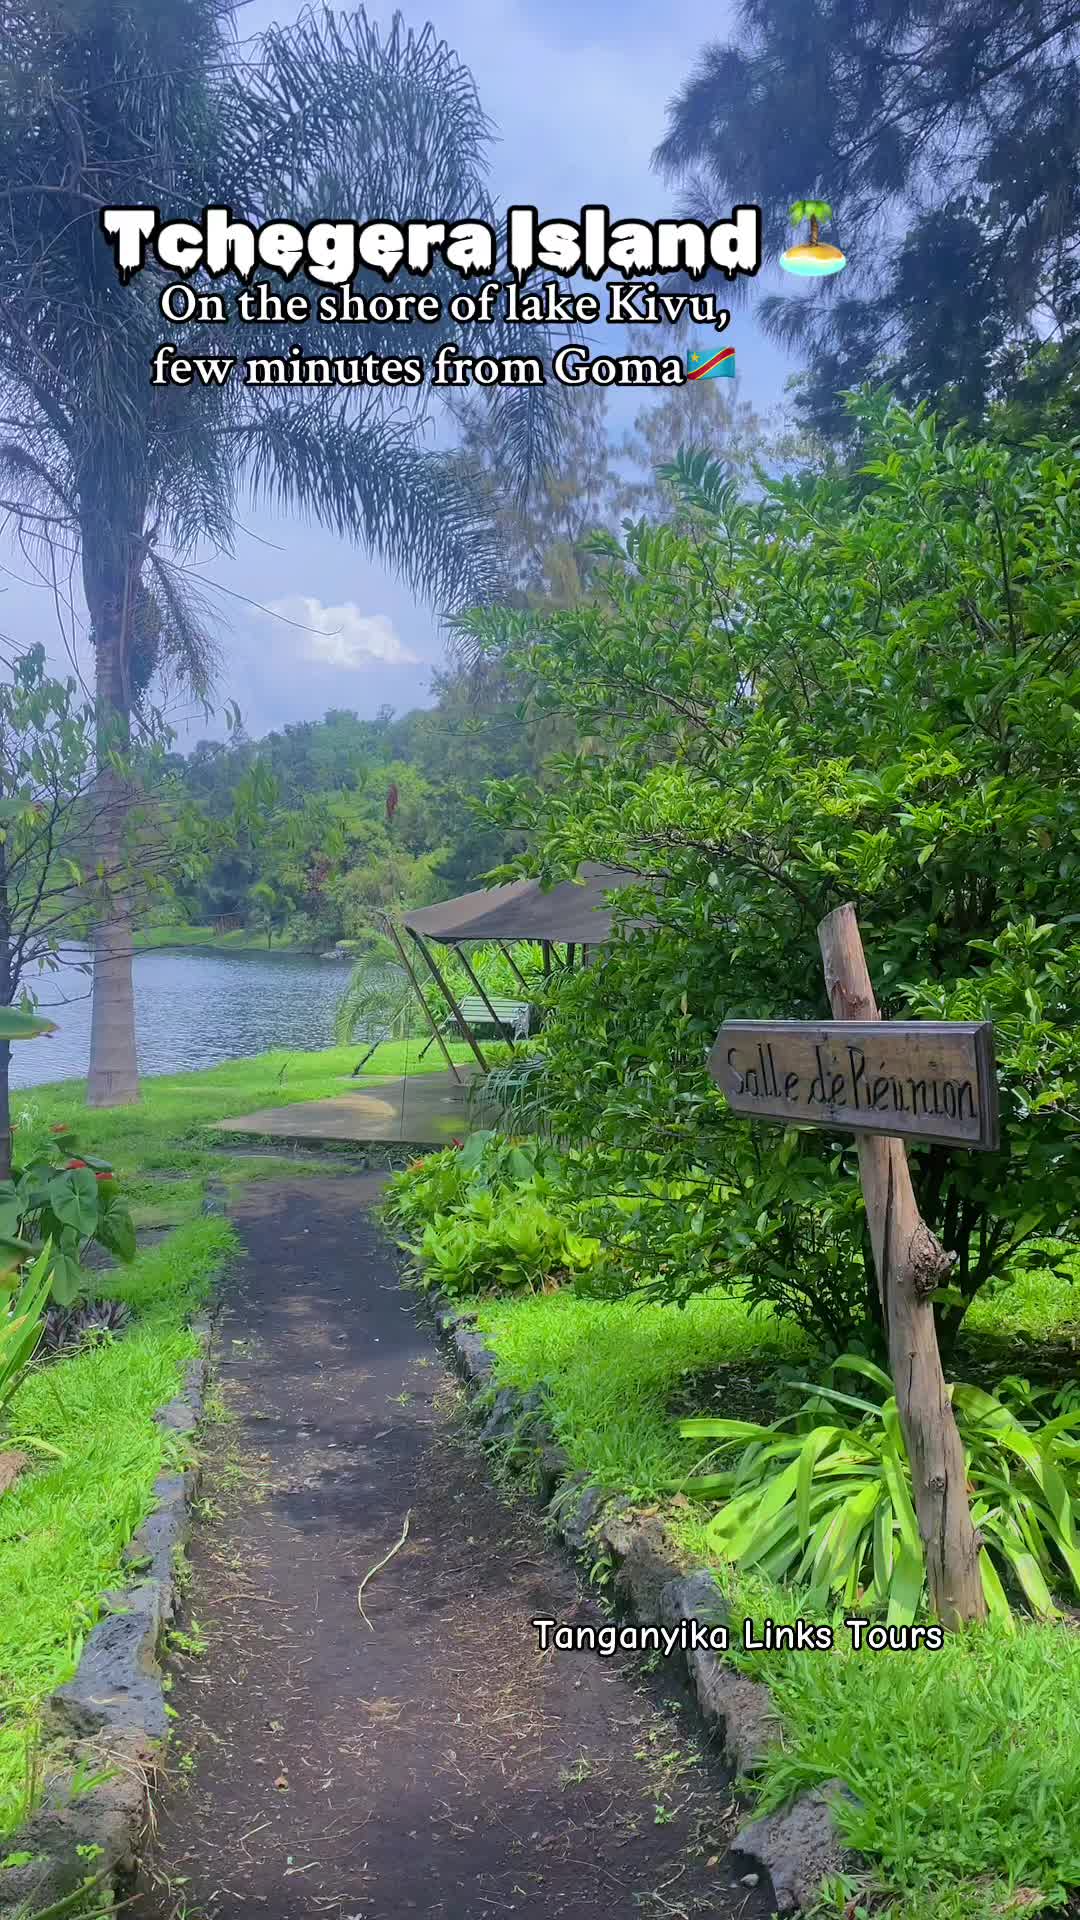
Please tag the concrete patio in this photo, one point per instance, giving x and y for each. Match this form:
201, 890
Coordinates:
428, 1109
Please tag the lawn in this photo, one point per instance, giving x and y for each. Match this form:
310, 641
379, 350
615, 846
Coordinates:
88, 1421
239, 940
167, 1132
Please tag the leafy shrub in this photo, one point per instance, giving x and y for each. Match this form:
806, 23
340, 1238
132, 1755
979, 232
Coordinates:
423, 1189
861, 686
438, 1182
502, 1241
70, 1199
480, 1216
823, 1496
73, 1326
22, 1322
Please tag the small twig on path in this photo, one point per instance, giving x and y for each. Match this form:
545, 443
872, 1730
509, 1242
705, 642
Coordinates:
373, 1570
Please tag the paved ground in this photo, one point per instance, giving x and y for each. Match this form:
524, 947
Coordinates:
426, 1109
432, 1763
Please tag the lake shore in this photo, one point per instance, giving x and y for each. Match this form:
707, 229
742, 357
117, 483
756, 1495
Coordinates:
239, 940
195, 1006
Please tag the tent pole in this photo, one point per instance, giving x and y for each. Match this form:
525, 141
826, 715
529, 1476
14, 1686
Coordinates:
500, 1025
570, 955
430, 1017
545, 946
508, 956
463, 1025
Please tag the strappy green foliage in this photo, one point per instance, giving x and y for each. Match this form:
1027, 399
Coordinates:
823, 1498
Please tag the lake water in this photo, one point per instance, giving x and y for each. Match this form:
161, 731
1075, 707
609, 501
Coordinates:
192, 1009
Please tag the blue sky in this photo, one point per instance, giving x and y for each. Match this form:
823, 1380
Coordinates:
578, 90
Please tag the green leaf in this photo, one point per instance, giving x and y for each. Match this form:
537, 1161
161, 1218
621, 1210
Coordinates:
19, 1023
816, 1442
68, 1278
73, 1199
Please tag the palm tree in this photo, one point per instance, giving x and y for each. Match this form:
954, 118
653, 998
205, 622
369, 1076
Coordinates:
158, 104
813, 210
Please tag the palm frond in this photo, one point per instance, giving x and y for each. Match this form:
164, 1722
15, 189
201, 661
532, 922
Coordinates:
377, 1003
187, 649
367, 478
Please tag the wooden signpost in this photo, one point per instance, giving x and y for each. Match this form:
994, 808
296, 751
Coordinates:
887, 1081
918, 1079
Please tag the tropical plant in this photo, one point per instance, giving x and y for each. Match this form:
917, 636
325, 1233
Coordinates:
427, 1187
323, 117
813, 210
71, 1200
378, 1002
497, 1241
485, 1161
82, 1323
22, 1321
822, 1497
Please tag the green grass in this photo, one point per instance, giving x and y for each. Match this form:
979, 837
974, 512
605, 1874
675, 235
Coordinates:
966, 1762
167, 1129
64, 1524
612, 1369
1039, 1305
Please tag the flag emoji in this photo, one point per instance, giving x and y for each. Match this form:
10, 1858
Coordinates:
711, 366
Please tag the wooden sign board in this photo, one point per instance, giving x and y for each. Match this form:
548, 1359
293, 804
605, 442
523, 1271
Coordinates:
916, 1079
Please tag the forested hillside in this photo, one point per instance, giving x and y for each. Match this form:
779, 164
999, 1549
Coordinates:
366, 815
363, 815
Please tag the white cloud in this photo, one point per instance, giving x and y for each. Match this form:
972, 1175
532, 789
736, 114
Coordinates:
343, 636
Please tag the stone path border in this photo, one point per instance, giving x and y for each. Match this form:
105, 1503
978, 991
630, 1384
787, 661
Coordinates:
798, 1845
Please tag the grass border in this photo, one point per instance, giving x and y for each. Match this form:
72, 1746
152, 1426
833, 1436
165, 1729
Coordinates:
110, 1718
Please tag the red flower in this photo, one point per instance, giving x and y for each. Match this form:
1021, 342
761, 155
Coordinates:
62, 1129
455, 1142
97, 1176
76, 1163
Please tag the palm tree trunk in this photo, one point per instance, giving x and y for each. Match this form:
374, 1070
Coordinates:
113, 1079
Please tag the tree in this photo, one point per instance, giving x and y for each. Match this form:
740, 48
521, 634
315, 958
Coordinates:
542, 534
862, 687
156, 105
710, 415
947, 139
52, 888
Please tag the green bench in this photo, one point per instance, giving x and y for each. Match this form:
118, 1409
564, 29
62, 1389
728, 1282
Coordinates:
511, 1019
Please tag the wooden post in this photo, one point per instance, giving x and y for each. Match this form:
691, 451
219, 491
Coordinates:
431, 1020
910, 1263
508, 956
463, 1026
499, 1025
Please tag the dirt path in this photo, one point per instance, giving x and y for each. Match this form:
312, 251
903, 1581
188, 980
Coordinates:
433, 1763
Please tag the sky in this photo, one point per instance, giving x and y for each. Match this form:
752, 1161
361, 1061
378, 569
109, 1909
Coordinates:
578, 91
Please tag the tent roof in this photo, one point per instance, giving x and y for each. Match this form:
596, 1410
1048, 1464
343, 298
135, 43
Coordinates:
574, 911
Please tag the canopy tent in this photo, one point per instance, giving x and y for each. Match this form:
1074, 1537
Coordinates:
576, 914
